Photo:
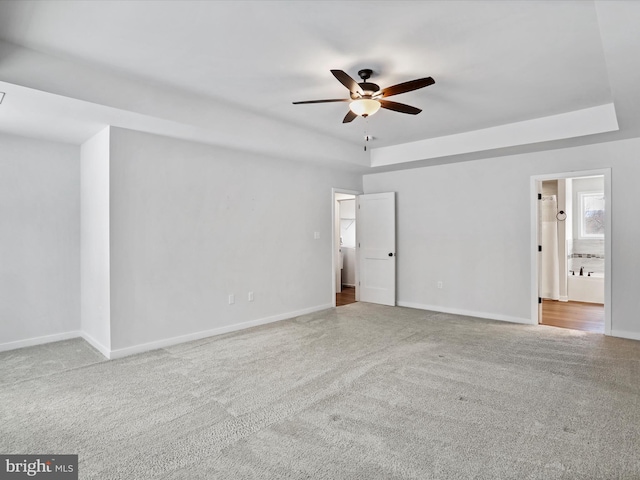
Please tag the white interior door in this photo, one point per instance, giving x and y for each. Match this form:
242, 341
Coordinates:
376, 231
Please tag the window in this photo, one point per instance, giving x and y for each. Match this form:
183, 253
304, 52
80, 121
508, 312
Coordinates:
592, 215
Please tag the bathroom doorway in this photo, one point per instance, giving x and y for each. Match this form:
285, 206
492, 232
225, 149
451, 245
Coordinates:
344, 247
573, 241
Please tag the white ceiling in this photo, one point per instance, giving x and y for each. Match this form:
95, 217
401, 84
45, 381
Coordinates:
239, 65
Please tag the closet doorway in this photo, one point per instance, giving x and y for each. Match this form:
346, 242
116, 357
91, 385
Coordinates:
344, 247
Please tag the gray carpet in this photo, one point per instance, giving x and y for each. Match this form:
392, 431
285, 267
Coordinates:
358, 392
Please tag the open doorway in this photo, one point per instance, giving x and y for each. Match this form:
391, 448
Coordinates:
572, 245
369, 268
344, 248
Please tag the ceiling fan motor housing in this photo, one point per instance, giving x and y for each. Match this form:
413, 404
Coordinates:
369, 88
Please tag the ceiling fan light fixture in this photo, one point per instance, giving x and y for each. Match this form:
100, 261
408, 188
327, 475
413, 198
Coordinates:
364, 106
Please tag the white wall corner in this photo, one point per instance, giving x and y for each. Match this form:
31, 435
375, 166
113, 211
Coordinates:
95, 344
95, 276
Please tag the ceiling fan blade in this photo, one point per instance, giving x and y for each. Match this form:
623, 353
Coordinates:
349, 117
407, 86
347, 81
324, 101
399, 107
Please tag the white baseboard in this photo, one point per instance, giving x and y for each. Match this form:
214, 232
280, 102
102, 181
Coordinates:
167, 342
624, 334
468, 313
30, 342
95, 344
563, 298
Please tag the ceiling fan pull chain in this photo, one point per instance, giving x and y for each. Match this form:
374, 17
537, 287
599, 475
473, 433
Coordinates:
366, 135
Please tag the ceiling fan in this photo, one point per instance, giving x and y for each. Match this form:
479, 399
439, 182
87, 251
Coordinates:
366, 98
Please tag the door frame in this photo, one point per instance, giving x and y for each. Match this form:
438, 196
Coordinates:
334, 247
535, 276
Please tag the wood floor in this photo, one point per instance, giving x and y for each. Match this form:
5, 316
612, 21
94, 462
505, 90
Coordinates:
575, 315
347, 296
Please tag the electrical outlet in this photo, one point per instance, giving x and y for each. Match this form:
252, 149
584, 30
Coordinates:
232, 299
250, 296
439, 283
316, 235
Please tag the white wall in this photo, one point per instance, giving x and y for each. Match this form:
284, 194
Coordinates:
468, 225
191, 224
39, 241
348, 223
94, 241
349, 266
